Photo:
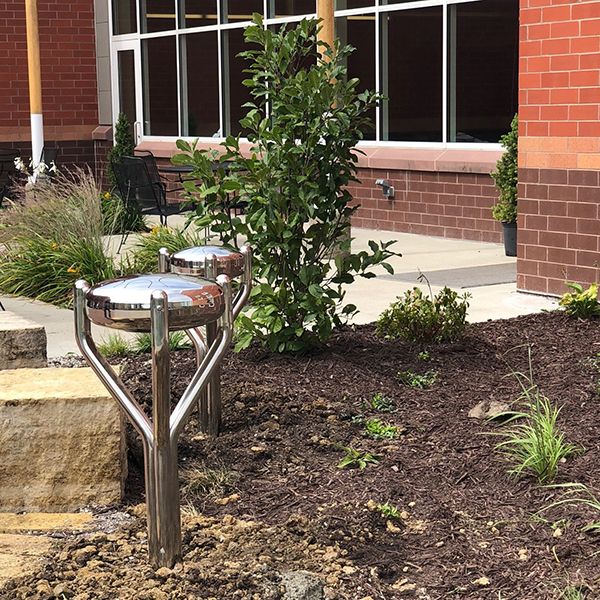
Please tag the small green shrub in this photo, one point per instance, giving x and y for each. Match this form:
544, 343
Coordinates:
424, 356
355, 458
533, 443
303, 123
114, 345
417, 380
378, 430
381, 403
418, 318
581, 303
506, 176
144, 256
124, 145
178, 340
389, 511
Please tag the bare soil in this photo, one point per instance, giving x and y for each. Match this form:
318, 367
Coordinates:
267, 498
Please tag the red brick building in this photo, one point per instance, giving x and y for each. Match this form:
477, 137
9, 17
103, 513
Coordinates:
454, 73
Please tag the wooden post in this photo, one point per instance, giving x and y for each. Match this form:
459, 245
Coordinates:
35, 81
325, 11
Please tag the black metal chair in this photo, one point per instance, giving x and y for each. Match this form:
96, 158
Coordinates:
139, 189
154, 171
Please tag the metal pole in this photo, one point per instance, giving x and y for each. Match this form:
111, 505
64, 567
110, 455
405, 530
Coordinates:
167, 547
210, 413
35, 81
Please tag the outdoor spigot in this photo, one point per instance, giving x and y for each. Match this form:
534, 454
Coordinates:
386, 188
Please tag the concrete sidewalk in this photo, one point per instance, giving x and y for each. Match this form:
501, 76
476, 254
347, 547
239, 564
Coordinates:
478, 268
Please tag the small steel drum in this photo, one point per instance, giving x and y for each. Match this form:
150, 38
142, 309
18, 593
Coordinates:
124, 303
195, 261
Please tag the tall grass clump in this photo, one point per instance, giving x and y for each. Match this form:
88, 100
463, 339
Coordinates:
145, 250
52, 236
533, 442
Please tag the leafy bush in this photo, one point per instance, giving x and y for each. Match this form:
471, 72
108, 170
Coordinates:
581, 303
355, 458
118, 218
124, 145
418, 318
416, 380
381, 402
534, 443
53, 238
144, 256
506, 176
378, 430
303, 124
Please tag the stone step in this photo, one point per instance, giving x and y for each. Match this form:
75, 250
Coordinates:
62, 441
22, 342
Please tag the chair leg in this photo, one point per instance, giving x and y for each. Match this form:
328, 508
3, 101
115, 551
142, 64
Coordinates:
2, 306
123, 240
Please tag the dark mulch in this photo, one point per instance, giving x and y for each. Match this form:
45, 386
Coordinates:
468, 530
465, 529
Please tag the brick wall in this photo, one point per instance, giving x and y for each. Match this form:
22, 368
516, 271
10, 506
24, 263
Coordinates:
455, 205
559, 144
68, 63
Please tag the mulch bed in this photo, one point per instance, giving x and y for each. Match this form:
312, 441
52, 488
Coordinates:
466, 529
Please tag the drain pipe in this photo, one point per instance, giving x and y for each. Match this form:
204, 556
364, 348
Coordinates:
35, 82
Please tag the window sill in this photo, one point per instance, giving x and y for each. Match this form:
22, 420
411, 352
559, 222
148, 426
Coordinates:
445, 160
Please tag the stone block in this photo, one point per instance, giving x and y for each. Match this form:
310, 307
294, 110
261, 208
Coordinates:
62, 441
22, 342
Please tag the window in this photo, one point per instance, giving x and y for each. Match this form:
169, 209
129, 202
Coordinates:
448, 69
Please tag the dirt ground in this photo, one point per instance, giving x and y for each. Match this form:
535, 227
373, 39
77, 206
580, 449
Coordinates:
266, 500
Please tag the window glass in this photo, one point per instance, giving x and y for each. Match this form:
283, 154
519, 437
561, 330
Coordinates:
200, 70
282, 8
412, 74
483, 73
359, 32
160, 86
344, 4
235, 94
126, 76
197, 13
124, 18
157, 15
241, 10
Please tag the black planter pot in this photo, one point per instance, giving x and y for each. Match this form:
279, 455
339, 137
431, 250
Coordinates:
510, 238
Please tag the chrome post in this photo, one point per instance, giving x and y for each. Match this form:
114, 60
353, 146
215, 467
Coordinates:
167, 548
163, 260
206, 262
210, 404
114, 304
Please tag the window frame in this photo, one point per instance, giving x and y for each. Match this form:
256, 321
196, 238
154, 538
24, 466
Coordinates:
376, 10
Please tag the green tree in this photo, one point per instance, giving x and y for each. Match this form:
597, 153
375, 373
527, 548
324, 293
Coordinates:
506, 176
124, 144
303, 124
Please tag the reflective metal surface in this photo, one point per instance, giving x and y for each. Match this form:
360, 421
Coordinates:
159, 435
124, 303
196, 261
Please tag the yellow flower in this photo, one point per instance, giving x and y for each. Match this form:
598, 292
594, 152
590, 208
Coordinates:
72, 269
156, 229
106, 195
54, 245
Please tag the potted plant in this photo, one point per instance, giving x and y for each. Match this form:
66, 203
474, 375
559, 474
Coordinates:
506, 178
